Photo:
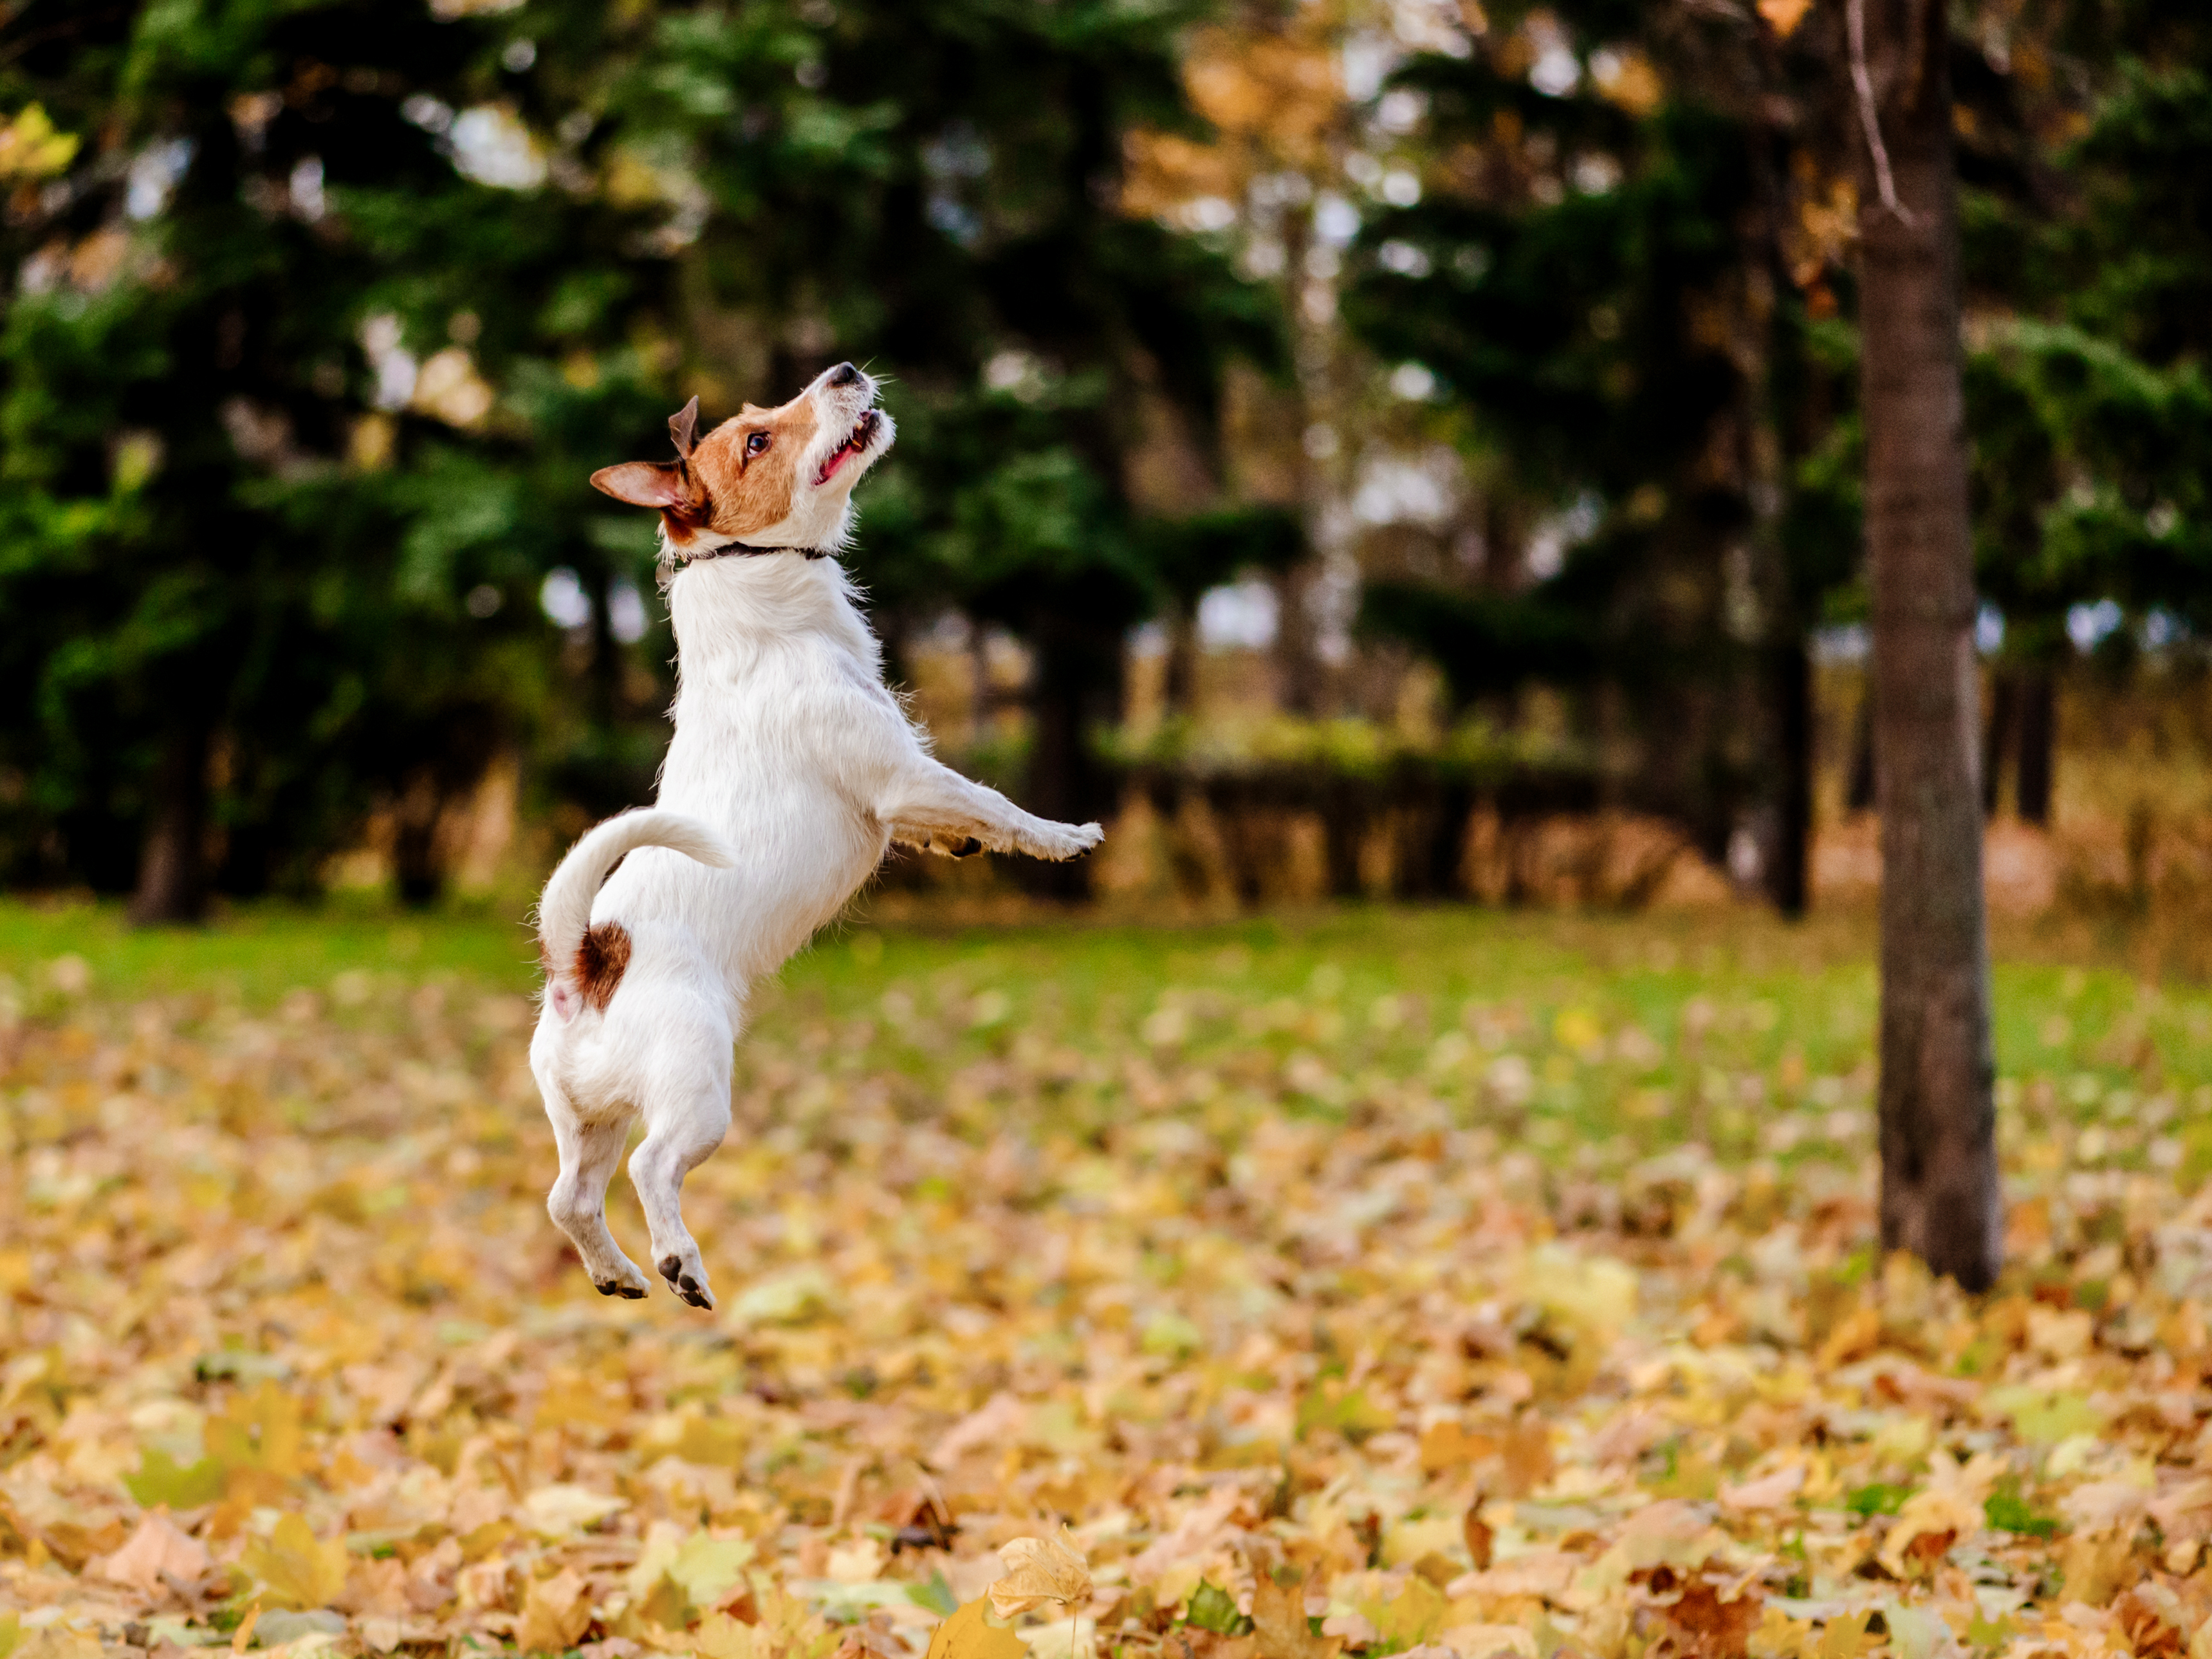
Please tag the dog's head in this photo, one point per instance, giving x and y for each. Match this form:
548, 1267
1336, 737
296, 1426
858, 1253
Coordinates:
769, 478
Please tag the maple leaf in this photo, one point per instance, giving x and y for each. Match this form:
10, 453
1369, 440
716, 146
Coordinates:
967, 1633
1712, 1624
1038, 1571
1279, 1622
556, 1614
295, 1568
156, 1549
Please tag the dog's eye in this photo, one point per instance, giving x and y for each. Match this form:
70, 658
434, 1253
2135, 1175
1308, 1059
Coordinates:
756, 443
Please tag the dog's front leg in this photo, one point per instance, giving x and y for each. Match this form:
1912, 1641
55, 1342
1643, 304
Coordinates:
929, 804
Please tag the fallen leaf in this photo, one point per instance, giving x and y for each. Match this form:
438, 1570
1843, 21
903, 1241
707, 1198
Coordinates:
294, 1568
158, 1548
968, 1634
556, 1614
1279, 1621
1038, 1571
1769, 1491
1712, 1624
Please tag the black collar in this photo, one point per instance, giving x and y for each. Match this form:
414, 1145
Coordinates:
742, 550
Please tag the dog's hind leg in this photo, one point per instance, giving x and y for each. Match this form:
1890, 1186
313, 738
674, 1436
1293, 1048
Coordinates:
578, 1203
680, 1134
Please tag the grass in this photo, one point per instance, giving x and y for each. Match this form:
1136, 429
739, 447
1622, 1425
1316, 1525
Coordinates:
1657, 1025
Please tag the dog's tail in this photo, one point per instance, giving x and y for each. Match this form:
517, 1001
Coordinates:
564, 912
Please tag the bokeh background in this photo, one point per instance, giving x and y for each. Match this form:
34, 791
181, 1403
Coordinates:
1355, 448
1363, 450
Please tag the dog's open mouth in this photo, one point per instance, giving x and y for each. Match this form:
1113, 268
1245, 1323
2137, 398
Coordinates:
862, 434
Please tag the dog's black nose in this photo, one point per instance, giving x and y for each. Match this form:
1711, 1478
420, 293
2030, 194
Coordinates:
843, 374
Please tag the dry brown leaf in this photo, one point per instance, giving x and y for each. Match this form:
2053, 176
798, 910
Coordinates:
1038, 1571
157, 1548
1279, 1621
556, 1614
1477, 1534
1712, 1624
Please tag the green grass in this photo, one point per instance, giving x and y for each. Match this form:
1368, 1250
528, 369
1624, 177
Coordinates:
1673, 1021
259, 952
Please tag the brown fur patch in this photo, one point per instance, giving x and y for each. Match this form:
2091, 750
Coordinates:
747, 493
600, 960
723, 485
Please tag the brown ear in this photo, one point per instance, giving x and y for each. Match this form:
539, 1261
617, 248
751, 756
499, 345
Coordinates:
682, 425
664, 484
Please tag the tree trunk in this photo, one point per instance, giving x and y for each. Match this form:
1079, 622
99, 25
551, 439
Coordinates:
173, 864
1076, 686
2004, 720
1858, 786
1939, 1196
2038, 741
1788, 880
1179, 674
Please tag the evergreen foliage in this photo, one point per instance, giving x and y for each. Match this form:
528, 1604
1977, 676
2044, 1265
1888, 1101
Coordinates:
322, 313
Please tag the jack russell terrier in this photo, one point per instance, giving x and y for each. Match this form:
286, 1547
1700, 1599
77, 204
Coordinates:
793, 770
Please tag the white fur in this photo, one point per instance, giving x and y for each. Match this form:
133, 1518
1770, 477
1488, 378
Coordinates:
792, 771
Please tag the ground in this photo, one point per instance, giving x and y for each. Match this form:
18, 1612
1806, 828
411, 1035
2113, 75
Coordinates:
1490, 1283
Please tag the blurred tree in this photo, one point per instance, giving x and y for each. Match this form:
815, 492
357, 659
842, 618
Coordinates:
324, 313
1939, 1196
258, 546
1603, 266
2085, 144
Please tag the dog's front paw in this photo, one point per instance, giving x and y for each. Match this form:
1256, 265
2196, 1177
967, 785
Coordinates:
1060, 841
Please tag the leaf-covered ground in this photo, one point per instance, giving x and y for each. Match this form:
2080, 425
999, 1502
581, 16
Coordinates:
1391, 1282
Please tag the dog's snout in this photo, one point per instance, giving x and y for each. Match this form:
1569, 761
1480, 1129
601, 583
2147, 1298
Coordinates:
843, 374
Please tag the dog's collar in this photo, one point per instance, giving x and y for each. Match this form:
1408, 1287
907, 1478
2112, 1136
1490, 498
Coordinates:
745, 550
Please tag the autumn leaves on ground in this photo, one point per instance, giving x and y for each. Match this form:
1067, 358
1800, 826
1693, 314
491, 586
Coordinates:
1389, 1283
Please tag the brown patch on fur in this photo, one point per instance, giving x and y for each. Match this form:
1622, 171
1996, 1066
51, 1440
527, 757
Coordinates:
600, 960
722, 484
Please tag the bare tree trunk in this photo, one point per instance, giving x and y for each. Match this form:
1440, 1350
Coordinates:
1788, 882
1076, 689
2004, 720
173, 865
2038, 741
1939, 1196
1858, 784
1179, 678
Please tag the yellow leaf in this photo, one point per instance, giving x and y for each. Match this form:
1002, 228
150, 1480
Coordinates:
1409, 1618
1784, 16
1279, 1621
31, 148
1038, 1571
261, 1432
556, 1614
1843, 1638
720, 1636
11, 1632
294, 1567
968, 1634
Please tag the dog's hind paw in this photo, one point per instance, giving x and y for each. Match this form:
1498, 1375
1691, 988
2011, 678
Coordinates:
688, 1280
616, 1287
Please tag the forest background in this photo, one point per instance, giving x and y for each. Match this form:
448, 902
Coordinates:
1358, 448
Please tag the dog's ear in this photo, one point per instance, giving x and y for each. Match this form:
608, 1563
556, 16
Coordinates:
683, 426
664, 484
